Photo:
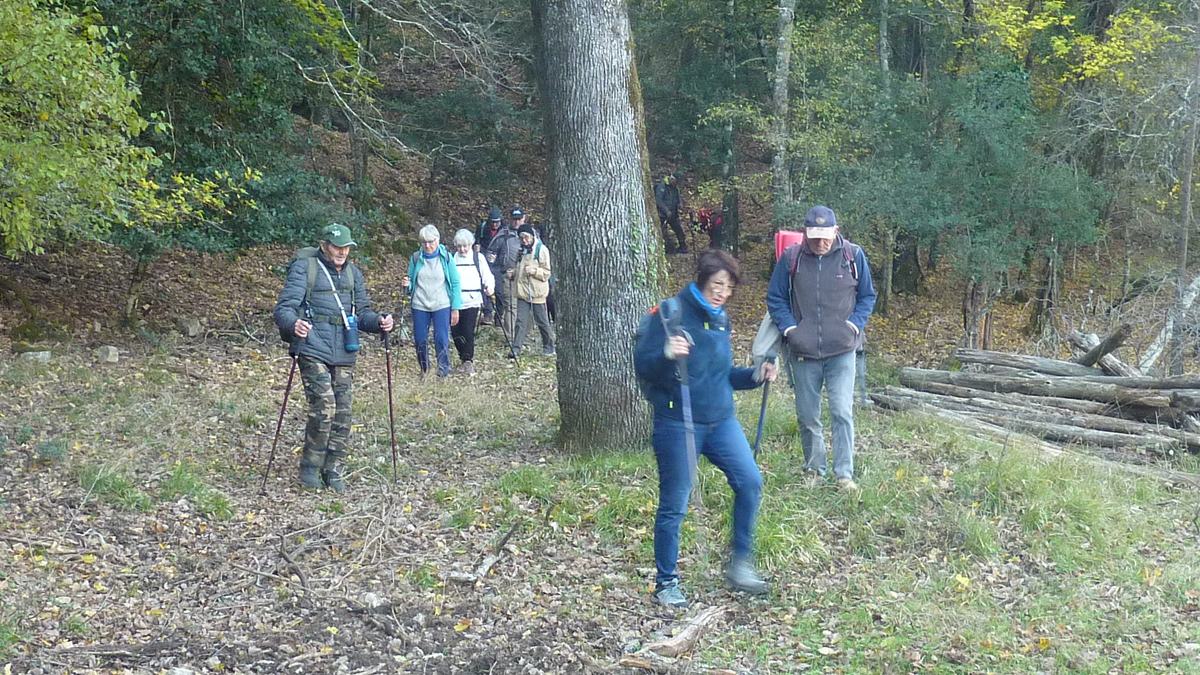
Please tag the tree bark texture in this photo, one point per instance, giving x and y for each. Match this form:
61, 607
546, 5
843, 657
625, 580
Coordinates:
608, 259
1174, 364
781, 176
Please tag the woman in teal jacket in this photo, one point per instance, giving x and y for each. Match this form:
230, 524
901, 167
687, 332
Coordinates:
433, 289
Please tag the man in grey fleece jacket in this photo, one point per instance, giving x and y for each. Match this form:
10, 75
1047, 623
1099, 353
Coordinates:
820, 298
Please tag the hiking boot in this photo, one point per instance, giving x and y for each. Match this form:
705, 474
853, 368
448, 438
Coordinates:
332, 473
468, 368
847, 485
742, 576
671, 596
310, 469
812, 479
549, 352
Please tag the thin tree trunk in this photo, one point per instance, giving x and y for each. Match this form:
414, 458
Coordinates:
1175, 358
608, 276
730, 231
781, 177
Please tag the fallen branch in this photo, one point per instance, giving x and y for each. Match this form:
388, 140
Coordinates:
485, 566
1109, 363
685, 640
1022, 362
658, 664
296, 566
1105, 346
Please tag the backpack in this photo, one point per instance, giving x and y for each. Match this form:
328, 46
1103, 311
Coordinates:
667, 308
309, 254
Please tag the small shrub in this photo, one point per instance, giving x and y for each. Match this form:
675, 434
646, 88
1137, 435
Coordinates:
24, 434
10, 636
52, 452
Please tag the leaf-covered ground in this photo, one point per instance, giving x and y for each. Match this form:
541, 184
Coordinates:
136, 538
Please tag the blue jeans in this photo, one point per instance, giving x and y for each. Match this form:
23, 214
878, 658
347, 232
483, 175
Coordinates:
441, 338
836, 373
724, 444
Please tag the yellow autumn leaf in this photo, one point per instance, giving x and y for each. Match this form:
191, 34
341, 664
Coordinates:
332, 630
462, 625
901, 473
1043, 643
88, 558
961, 583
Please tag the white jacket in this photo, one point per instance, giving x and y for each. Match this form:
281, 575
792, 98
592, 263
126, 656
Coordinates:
474, 281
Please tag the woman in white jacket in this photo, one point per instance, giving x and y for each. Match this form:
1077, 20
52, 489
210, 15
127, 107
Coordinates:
476, 280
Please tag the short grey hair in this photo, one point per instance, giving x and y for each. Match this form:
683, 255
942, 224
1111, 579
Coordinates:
428, 232
464, 238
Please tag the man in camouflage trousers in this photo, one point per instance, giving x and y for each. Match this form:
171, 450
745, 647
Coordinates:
318, 309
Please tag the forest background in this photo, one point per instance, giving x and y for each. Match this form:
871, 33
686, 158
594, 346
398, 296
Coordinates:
1014, 169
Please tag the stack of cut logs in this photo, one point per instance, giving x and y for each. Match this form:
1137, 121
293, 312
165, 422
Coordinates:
1094, 399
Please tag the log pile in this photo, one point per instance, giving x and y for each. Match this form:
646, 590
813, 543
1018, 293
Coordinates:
1094, 400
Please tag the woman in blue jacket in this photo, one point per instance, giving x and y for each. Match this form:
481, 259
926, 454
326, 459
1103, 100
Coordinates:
434, 292
699, 331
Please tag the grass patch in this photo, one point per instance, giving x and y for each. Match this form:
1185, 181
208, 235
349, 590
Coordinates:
183, 481
530, 481
114, 487
10, 637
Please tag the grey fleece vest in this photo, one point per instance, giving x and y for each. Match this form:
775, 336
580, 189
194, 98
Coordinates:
824, 293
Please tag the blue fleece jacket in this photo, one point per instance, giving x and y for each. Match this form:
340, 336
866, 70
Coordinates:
712, 376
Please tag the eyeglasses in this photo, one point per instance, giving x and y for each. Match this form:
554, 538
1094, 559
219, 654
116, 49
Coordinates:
429, 241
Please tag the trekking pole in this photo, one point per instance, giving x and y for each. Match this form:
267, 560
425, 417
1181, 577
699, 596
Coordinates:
512, 351
762, 409
387, 350
685, 398
262, 490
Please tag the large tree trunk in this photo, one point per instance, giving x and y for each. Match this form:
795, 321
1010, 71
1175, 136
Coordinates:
781, 177
607, 276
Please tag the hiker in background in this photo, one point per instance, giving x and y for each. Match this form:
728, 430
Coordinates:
700, 334
321, 308
487, 231
502, 254
666, 201
709, 221
476, 283
821, 310
531, 285
433, 289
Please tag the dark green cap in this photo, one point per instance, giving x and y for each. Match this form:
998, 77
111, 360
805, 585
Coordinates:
338, 235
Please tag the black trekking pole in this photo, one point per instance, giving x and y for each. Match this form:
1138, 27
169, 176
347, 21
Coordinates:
685, 398
512, 351
762, 409
262, 490
387, 350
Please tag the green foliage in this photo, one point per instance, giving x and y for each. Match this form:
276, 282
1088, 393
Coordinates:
112, 485
224, 76
10, 637
68, 117
184, 481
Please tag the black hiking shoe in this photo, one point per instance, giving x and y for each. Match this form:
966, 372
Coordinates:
310, 469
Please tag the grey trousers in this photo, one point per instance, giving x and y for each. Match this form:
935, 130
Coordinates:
541, 317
